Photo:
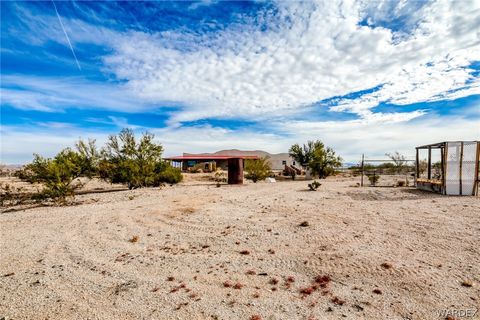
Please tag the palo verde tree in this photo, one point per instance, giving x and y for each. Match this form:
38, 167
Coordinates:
321, 160
58, 175
135, 163
258, 169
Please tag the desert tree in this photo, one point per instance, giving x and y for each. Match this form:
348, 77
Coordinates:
303, 154
135, 163
58, 175
398, 159
321, 160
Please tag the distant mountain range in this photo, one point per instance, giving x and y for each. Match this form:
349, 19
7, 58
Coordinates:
236, 152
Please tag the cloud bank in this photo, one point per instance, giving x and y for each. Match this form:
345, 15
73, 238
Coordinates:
285, 66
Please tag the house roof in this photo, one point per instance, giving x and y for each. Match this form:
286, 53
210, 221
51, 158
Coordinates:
212, 157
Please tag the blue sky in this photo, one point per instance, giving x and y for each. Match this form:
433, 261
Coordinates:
362, 77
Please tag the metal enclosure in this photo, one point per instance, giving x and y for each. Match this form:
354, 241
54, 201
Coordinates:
459, 168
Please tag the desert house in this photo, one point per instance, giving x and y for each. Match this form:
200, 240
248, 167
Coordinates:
208, 162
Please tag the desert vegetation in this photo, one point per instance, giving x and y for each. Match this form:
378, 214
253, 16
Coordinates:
257, 169
314, 155
122, 160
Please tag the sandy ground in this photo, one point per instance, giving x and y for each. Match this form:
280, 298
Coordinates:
77, 262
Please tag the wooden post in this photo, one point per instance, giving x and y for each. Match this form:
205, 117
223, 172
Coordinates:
477, 171
363, 158
235, 171
442, 164
446, 168
429, 169
417, 167
460, 169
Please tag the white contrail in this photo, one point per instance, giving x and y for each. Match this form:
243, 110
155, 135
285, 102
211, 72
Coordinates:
66, 35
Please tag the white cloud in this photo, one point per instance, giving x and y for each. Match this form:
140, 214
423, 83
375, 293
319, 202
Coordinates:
350, 139
310, 52
51, 94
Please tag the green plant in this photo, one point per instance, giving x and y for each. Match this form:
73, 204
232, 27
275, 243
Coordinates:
373, 178
314, 185
12, 195
219, 178
58, 175
320, 159
169, 175
257, 169
126, 161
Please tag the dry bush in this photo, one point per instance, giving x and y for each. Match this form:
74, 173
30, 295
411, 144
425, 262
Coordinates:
134, 239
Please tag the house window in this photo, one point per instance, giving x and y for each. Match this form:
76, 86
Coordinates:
293, 162
284, 162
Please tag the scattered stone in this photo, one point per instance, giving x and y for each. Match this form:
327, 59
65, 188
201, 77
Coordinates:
377, 291
304, 224
467, 283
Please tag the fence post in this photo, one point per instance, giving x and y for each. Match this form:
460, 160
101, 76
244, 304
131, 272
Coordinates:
363, 158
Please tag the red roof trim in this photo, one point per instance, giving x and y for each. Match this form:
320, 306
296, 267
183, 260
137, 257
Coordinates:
211, 157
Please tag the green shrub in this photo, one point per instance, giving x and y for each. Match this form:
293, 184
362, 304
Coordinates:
126, 161
134, 163
57, 175
373, 178
314, 185
219, 177
169, 175
257, 169
320, 159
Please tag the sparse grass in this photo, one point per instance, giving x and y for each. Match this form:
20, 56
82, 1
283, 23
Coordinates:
273, 281
271, 251
227, 284
387, 265
377, 291
251, 272
290, 279
170, 278
245, 252
256, 317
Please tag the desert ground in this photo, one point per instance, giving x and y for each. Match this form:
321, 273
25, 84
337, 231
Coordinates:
256, 251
